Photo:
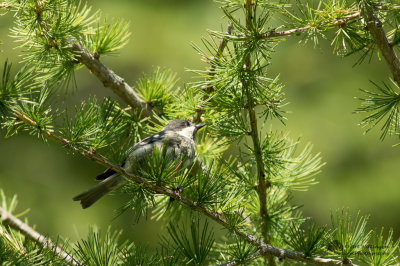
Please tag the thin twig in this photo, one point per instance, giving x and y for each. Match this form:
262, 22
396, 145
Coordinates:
214, 215
9, 220
11, 241
5, 6
257, 254
222, 45
250, 257
338, 22
374, 26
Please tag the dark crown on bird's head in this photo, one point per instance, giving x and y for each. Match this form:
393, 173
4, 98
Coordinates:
181, 124
178, 124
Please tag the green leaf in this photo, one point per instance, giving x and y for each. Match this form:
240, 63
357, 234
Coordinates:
194, 245
382, 105
97, 126
210, 185
240, 251
380, 251
15, 89
110, 36
158, 89
350, 236
307, 238
102, 250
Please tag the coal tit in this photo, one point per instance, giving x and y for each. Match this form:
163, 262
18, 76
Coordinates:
177, 137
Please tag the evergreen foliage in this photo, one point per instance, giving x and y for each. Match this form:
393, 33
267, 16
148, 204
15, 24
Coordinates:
247, 195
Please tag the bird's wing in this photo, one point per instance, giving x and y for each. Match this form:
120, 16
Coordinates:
143, 146
107, 173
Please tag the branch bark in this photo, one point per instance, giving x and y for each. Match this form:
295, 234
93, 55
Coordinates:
374, 26
112, 81
263, 184
4, 6
338, 22
104, 74
222, 45
9, 220
215, 216
317, 260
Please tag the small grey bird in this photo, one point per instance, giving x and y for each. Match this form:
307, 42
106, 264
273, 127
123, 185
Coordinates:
177, 136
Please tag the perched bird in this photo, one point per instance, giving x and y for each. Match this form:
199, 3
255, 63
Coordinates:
177, 137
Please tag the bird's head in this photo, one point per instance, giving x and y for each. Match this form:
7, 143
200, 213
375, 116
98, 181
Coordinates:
183, 127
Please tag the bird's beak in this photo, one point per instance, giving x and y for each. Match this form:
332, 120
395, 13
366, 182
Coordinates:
198, 126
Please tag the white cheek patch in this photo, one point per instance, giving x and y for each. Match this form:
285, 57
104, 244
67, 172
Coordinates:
187, 132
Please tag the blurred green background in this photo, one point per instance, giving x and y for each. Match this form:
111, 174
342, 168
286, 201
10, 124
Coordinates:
361, 173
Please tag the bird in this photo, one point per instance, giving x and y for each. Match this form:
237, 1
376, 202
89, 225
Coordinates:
177, 137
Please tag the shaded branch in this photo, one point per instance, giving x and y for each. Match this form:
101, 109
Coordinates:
374, 26
9, 220
104, 74
112, 81
215, 216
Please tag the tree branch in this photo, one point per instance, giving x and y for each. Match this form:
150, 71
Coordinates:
263, 184
374, 26
337, 22
9, 220
104, 74
222, 45
4, 6
215, 216
112, 81
255, 255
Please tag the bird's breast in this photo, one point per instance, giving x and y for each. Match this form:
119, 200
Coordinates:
172, 146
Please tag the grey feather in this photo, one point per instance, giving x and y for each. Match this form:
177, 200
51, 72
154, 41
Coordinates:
93, 194
179, 135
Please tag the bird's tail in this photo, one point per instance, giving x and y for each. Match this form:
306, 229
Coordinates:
93, 194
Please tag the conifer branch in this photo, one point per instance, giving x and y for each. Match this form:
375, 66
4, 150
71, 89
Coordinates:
103, 73
112, 81
257, 254
337, 22
9, 220
222, 45
265, 249
374, 26
4, 6
263, 184
11, 241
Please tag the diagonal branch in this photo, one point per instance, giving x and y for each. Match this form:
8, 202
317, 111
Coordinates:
103, 73
374, 26
214, 215
112, 81
9, 220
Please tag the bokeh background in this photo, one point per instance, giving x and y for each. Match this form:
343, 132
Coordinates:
362, 173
